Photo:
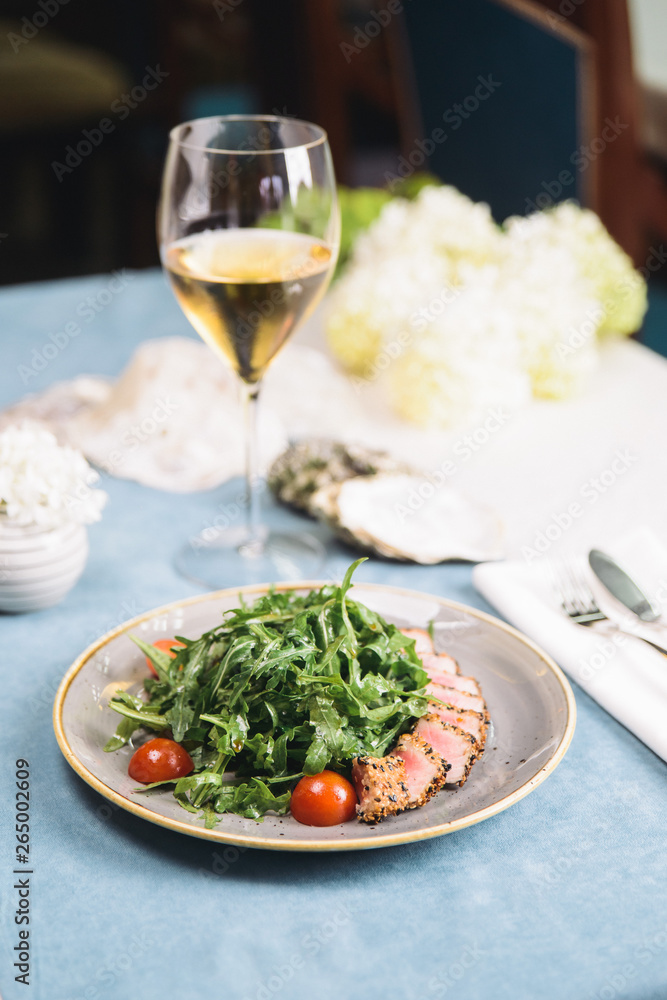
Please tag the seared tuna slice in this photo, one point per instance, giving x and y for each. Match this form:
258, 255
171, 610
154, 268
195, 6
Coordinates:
458, 748
424, 768
470, 722
439, 663
423, 641
459, 699
381, 785
468, 684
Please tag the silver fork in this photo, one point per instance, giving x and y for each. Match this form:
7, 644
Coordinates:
578, 601
575, 595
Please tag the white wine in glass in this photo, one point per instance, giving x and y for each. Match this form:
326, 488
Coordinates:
249, 229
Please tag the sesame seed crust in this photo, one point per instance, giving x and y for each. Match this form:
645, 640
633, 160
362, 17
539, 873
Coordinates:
441, 767
474, 745
380, 794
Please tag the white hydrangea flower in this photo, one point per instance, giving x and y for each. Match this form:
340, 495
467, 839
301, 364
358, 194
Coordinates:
555, 317
464, 361
43, 483
607, 269
372, 305
473, 316
440, 221
409, 257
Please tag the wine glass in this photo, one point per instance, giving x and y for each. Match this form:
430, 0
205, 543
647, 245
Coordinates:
249, 229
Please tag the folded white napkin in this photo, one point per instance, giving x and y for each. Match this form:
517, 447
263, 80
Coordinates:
623, 674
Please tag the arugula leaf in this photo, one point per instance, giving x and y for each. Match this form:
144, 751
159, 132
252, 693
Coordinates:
317, 757
123, 735
287, 686
160, 660
252, 799
140, 718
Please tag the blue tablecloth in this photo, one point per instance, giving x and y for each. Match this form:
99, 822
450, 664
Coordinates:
561, 897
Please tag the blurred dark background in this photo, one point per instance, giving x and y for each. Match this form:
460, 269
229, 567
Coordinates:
88, 93
140, 68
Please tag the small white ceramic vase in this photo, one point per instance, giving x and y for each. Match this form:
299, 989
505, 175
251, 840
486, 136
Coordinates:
39, 565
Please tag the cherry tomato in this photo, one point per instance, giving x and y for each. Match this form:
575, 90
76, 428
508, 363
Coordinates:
324, 799
167, 646
159, 760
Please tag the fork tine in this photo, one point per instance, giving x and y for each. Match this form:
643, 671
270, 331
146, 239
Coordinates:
579, 596
562, 587
584, 593
574, 592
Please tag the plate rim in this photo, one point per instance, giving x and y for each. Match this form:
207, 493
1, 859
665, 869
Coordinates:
290, 844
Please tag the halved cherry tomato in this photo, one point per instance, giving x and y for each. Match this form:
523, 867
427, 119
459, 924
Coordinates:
324, 799
159, 760
167, 646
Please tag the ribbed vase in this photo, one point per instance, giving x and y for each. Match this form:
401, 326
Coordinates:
39, 565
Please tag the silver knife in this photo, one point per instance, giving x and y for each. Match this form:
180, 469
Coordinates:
621, 586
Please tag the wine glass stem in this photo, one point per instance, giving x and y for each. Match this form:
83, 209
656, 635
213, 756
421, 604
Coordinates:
251, 403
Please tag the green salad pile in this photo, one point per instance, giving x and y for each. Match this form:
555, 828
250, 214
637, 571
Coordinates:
287, 686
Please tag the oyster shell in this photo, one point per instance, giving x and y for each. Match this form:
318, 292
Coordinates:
406, 517
309, 466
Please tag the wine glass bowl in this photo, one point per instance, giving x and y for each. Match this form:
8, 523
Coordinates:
249, 229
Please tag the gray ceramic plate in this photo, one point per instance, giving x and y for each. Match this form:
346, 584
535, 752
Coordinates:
530, 702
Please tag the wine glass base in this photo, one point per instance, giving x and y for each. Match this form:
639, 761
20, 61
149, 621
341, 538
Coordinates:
225, 558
